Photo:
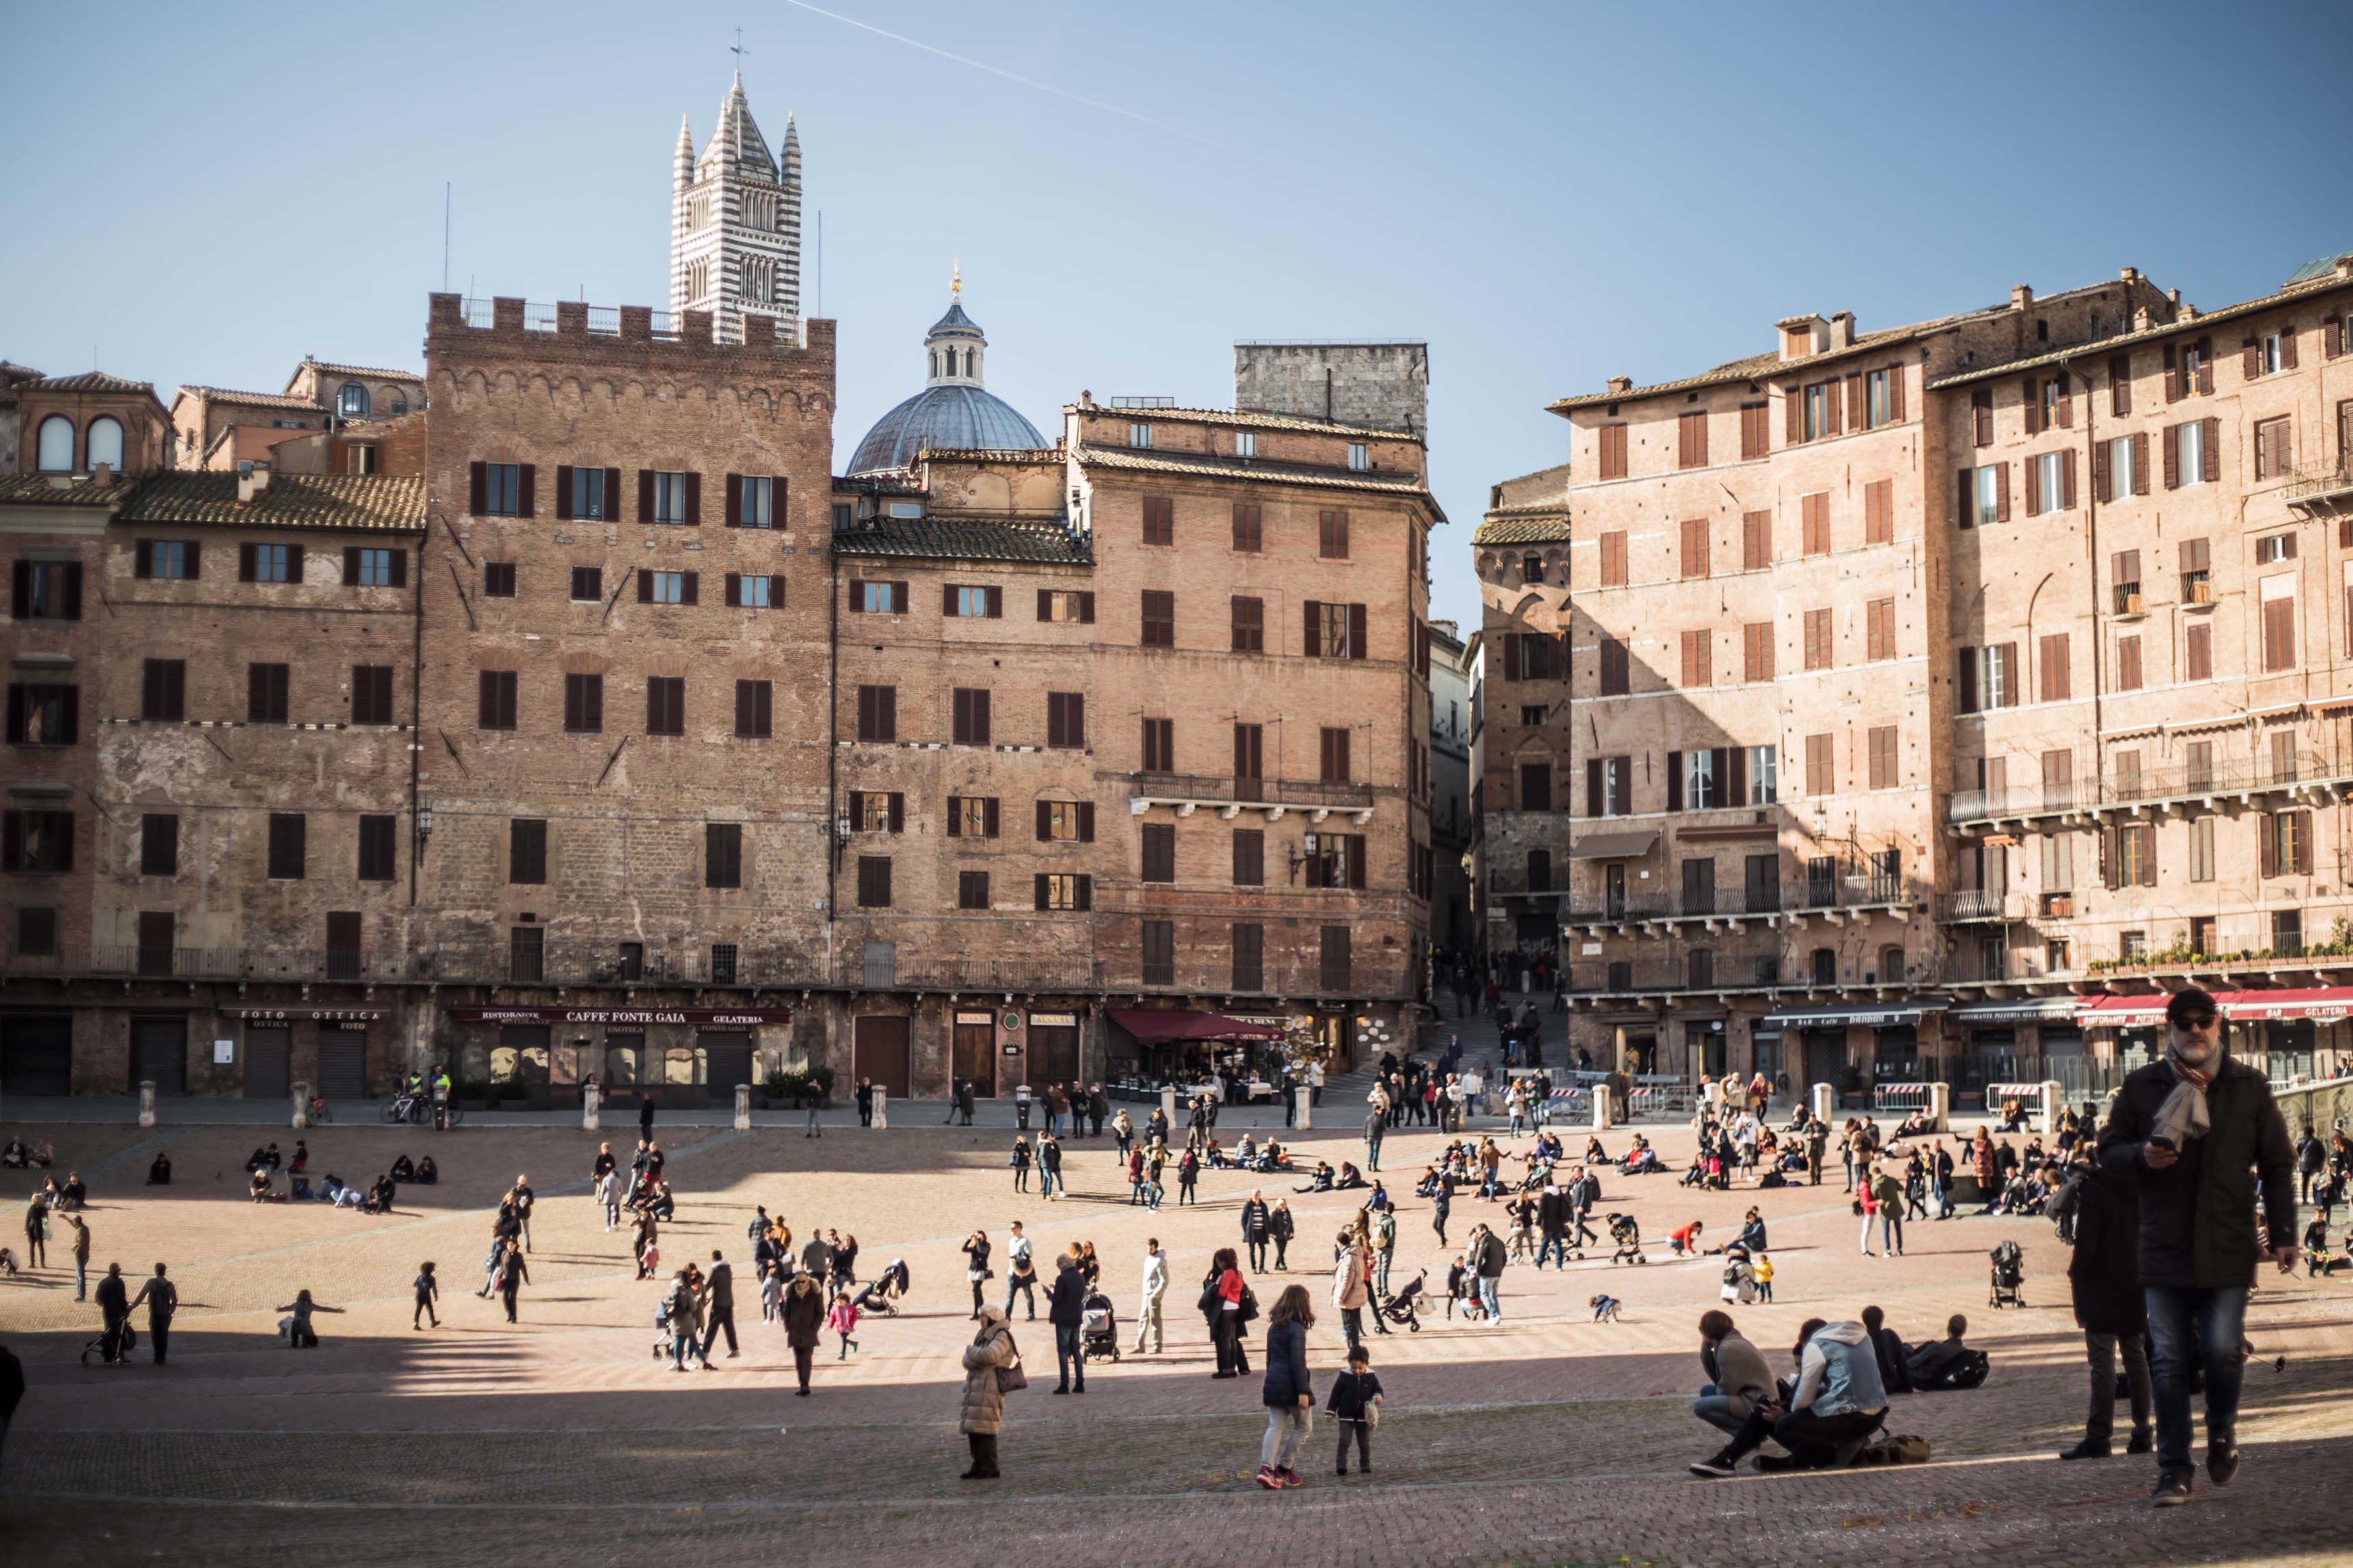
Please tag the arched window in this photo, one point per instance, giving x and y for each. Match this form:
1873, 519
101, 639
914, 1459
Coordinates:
106, 443
967, 360
57, 445
935, 362
353, 401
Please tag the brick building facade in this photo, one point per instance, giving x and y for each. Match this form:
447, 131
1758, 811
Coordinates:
1897, 664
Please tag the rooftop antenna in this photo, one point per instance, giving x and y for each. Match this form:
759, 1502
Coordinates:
819, 311
444, 236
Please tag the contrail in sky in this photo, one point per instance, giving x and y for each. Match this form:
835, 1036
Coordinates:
1012, 76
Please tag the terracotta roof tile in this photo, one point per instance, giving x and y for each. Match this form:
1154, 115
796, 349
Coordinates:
59, 490
331, 369
385, 502
1503, 528
959, 538
91, 381
1144, 460
1245, 418
2182, 326
250, 399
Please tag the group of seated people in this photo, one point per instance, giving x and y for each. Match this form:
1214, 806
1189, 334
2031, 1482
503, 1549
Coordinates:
374, 1198
268, 1160
1845, 1374
1248, 1156
20, 1155
425, 1172
1323, 1181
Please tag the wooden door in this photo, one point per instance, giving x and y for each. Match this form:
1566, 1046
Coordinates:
878, 1051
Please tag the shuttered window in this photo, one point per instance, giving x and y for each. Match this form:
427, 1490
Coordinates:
584, 704
877, 713
1159, 745
2279, 623
1815, 512
1249, 857
1696, 659
495, 705
1820, 775
1695, 547
1332, 535
1066, 719
2274, 448
1982, 416
2056, 676
1159, 952
2198, 653
1755, 540
1332, 759
755, 716
1755, 430
1879, 617
1613, 451
2119, 385
1617, 667
1159, 852
1691, 441
1249, 530
1159, 519
1883, 766
1248, 624
969, 718
1756, 651
1535, 786
665, 705
1818, 639
1879, 511
1613, 559
1159, 618
2128, 675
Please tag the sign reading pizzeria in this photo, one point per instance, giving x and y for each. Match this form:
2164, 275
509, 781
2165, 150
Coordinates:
741, 1017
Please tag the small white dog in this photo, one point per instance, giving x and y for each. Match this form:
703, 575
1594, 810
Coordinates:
1605, 1309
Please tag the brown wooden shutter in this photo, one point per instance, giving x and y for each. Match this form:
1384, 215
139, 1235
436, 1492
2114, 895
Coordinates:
1854, 416
734, 591
988, 817
351, 565
2173, 457
996, 604
2332, 337
1039, 889
2172, 374
1086, 822
1045, 821
1964, 665
2033, 407
562, 492
478, 488
2211, 450
1087, 608
1896, 374
2067, 479
399, 559
2251, 357
734, 501
1045, 604
645, 586
1593, 786
858, 598
2001, 492
2304, 844
2140, 462
2205, 367
693, 500
2120, 386
1358, 633
2033, 488
1311, 614
612, 494
1969, 497
1793, 406
2287, 345
955, 817
1674, 781
898, 812
644, 495
2066, 402
689, 591
947, 599
245, 568
1511, 656
1736, 771
1981, 416
2267, 834
527, 492
2101, 478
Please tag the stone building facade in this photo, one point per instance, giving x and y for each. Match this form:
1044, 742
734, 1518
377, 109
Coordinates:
1812, 682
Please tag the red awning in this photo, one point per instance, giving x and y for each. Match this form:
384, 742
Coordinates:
2122, 1012
1156, 1027
2326, 1004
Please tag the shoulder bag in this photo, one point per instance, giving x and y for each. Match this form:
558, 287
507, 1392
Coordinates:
1010, 1378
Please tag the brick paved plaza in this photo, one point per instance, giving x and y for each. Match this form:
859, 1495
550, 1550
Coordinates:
1550, 1439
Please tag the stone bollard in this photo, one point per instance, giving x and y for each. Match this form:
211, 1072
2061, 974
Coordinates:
743, 1108
302, 1105
1168, 1107
592, 1106
1941, 1106
1601, 1122
1302, 1100
147, 1104
1825, 1100
2047, 1123
881, 1108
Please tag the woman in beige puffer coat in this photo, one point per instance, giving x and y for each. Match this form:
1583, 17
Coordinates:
984, 1402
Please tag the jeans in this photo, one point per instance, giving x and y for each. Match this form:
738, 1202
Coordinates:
1556, 1245
1048, 1180
1891, 1228
1381, 1260
1258, 1254
2101, 1350
1361, 1435
680, 1343
1067, 1354
1727, 1413
82, 1277
1352, 1326
2207, 1322
1487, 1299
1233, 1356
1286, 1429
1372, 1153
1025, 1284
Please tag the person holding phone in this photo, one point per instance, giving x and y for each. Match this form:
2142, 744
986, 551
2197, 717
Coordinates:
2196, 1131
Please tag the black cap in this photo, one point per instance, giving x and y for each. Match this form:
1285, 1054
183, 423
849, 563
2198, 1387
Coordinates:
2188, 1004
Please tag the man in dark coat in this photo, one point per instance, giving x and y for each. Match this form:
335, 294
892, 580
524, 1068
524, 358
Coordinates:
114, 1302
162, 1299
1066, 1309
718, 1306
2103, 1277
2190, 1132
804, 1321
1254, 1230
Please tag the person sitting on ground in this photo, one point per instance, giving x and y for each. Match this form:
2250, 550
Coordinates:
74, 1195
402, 1169
1738, 1382
427, 1172
1888, 1349
380, 1197
271, 1157
1684, 1239
258, 1188
16, 1157
302, 1159
1246, 1152
159, 1174
256, 1160
1350, 1178
43, 1155
1276, 1158
1594, 1153
1752, 1232
1321, 1182
1929, 1362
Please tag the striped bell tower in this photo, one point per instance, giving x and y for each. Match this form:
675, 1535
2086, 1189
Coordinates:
735, 224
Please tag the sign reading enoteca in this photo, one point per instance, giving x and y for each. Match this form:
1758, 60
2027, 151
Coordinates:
740, 1017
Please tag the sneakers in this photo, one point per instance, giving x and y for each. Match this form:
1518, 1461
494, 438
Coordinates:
2221, 1457
2086, 1449
1773, 1464
1268, 1479
2173, 1489
1290, 1478
2142, 1442
1715, 1468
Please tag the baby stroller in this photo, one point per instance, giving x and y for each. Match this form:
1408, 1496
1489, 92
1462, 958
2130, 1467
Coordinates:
1627, 1232
882, 1295
97, 1347
2009, 1276
1405, 1306
1097, 1328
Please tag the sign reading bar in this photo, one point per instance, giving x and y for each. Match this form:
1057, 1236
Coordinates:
739, 1017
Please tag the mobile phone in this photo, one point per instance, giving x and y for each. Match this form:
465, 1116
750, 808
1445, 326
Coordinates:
2165, 1143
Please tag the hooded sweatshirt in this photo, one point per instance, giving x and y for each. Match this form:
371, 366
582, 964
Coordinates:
1839, 1374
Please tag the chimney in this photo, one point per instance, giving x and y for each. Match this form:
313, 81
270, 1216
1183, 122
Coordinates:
2020, 296
2345, 266
102, 474
1842, 329
1621, 384
1086, 399
2130, 275
252, 482
2141, 319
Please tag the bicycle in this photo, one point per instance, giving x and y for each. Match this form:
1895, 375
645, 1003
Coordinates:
405, 1107
318, 1111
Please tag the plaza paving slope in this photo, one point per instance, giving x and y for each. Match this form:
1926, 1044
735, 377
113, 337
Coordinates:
563, 1439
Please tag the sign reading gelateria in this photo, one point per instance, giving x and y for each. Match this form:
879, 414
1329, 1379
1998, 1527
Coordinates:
743, 1017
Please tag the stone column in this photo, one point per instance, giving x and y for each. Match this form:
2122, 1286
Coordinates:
1941, 1106
147, 1105
1601, 1122
1302, 1119
302, 1103
1825, 1099
743, 1108
881, 1108
592, 1106
2047, 1121
1168, 1107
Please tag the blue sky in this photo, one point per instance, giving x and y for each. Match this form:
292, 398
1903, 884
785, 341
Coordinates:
1549, 194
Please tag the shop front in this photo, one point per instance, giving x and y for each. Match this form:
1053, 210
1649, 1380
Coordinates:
2293, 1036
2012, 1041
1853, 1046
340, 1052
683, 1058
1237, 1059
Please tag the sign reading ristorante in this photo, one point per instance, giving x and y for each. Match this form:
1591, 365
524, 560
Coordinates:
740, 1017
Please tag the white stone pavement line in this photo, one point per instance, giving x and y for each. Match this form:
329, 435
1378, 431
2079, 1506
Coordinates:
1333, 1496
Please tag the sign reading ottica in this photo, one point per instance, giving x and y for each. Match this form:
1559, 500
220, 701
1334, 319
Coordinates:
708, 1018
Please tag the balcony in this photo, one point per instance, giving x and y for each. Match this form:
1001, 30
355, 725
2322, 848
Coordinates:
135, 961
1836, 899
2321, 485
2150, 791
1228, 796
1979, 904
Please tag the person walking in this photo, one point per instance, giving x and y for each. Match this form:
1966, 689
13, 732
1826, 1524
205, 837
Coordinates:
987, 1360
1280, 1229
718, 1306
162, 1299
512, 1275
1254, 1230
1021, 1275
1188, 1176
1019, 1161
36, 1231
681, 1314
2104, 1278
1222, 1295
80, 1256
1155, 1290
1376, 1126
1487, 1259
1351, 1289
1065, 1308
2191, 1131
1442, 1204
1355, 1407
803, 1315
427, 1291
975, 1269
114, 1308
1289, 1398
608, 1194
523, 1197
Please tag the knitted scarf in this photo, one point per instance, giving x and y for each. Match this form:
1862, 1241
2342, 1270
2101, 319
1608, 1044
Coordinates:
2183, 1115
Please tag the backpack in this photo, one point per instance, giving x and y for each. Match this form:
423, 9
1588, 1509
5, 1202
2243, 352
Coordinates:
1895, 1450
1732, 1274
1969, 1371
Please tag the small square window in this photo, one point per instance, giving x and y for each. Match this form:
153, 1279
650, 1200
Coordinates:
670, 497
587, 585
972, 890
270, 563
758, 504
1359, 460
498, 579
669, 587
1245, 443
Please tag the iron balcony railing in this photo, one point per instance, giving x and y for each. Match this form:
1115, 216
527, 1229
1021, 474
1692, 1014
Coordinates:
1839, 890
168, 962
2321, 482
2122, 790
1219, 789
